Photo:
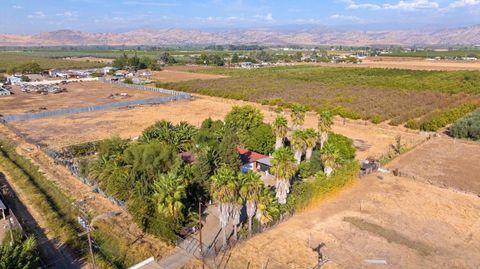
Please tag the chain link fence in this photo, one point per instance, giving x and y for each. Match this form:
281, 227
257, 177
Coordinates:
173, 96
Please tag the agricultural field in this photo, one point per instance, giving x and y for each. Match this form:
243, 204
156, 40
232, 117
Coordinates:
172, 75
453, 53
77, 94
369, 93
61, 131
419, 64
8, 59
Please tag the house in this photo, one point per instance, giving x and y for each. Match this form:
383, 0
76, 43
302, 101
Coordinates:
4, 92
107, 69
253, 161
14, 80
246, 65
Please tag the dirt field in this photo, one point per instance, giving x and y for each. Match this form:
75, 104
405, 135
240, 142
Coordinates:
445, 162
407, 224
77, 94
419, 64
90, 59
130, 122
176, 75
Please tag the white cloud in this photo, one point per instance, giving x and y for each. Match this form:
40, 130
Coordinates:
17, 7
268, 17
149, 3
464, 3
401, 5
67, 14
346, 18
37, 15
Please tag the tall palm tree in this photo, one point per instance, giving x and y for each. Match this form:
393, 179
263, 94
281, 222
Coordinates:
267, 208
310, 138
223, 191
280, 126
298, 115
251, 186
169, 193
283, 167
298, 144
330, 156
324, 126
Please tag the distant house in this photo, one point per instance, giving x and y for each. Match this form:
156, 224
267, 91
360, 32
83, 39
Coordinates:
253, 161
246, 65
107, 69
4, 92
14, 80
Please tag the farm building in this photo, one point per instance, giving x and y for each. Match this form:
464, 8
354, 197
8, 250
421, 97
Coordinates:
4, 92
254, 161
14, 80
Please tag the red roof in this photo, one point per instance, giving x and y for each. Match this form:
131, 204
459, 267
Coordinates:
249, 156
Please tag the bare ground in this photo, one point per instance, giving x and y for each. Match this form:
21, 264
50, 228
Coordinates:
408, 224
130, 122
411, 63
177, 75
445, 162
77, 94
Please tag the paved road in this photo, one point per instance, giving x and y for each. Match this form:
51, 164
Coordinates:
190, 247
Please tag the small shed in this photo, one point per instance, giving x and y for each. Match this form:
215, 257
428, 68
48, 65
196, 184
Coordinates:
253, 161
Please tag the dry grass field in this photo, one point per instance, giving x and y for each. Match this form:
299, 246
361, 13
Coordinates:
407, 224
419, 63
61, 131
177, 75
77, 94
445, 162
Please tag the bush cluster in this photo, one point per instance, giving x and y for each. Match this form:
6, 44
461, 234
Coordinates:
467, 126
442, 118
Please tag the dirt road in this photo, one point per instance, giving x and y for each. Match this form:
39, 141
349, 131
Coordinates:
54, 253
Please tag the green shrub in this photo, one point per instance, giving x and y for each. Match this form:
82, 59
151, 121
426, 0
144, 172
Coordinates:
376, 119
346, 113
467, 126
443, 118
412, 124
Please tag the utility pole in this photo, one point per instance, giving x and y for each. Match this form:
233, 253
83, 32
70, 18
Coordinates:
200, 231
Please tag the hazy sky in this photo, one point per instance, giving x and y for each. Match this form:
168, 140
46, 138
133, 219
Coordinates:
120, 15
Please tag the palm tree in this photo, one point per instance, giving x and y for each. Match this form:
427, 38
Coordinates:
267, 207
283, 167
251, 186
223, 193
169, 193
324, 126
298, 115
330, 156
310, 139
280, 126
298, 144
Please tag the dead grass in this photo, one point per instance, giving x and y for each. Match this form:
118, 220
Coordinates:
176, 75
77, 94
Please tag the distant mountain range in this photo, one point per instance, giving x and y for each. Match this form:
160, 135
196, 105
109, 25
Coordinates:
311, 36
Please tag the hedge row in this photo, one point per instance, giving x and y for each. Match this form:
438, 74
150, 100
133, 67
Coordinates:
442, 118
306, 193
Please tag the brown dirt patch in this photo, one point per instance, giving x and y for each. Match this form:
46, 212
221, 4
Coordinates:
77, 94
408, 224
445, 162
177, 76
419, 64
